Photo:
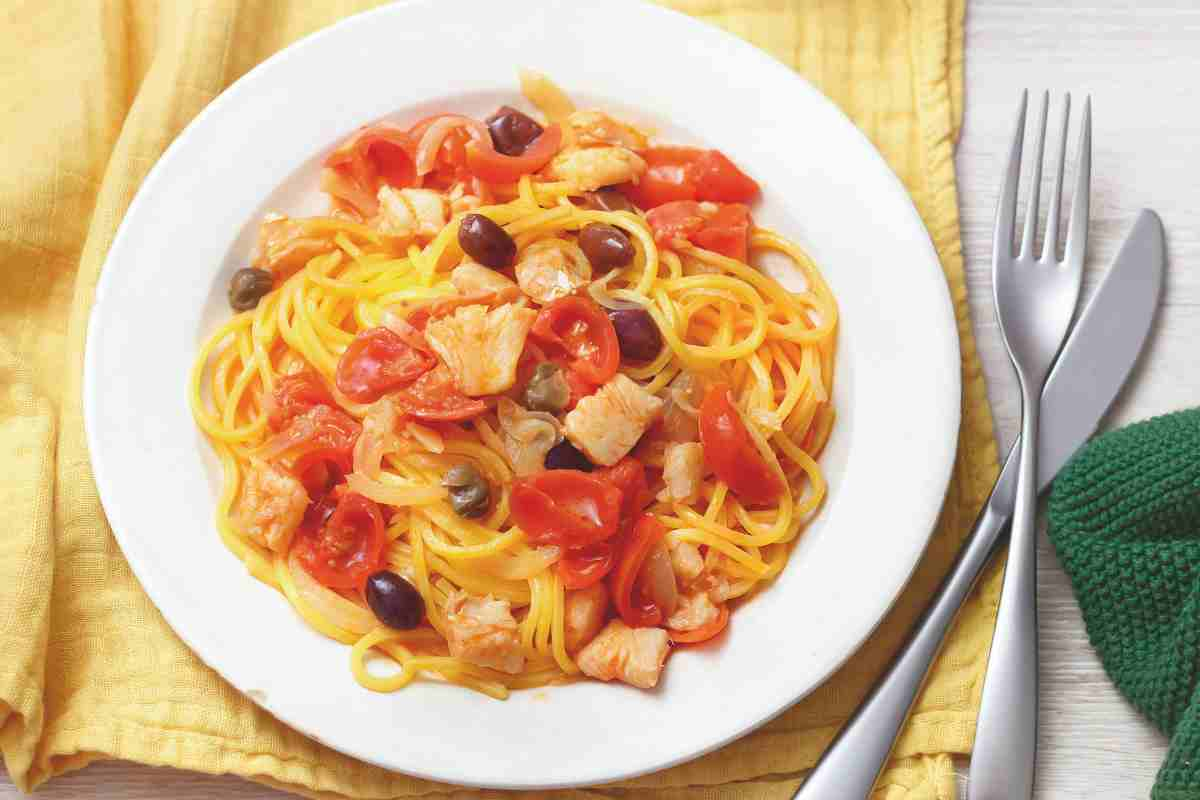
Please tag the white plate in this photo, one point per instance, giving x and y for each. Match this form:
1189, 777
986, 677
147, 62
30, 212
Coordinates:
257, 147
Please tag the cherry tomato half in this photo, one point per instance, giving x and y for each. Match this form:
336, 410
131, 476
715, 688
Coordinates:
637, 610
434, 397
294, 395
581, 328
629, 476
565, 507
730, 452
582, 567
378, 361
488, 165
348, 547
375, 156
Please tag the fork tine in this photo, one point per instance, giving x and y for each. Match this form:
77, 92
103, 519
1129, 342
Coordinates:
1050, 245
1081, 200
1006, 211
1031, 211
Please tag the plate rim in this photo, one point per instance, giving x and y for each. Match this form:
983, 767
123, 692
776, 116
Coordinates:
942, 462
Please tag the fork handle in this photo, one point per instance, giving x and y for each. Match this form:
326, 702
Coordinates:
852, 763
1002, 761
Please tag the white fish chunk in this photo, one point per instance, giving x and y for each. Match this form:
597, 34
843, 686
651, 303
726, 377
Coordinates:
271, 506
607, 424
482, 630
632, 655
594, 167
481, 347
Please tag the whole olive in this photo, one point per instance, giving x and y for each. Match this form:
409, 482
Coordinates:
607, 199
605, 246
637, 334
486, 242
469, 491
247, 287
547, 389
512, 132
394, 600
564, 456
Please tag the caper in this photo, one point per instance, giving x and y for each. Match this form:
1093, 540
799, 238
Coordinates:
469, 491
605, 246
247, 287
486, 242
395, 601
547, 390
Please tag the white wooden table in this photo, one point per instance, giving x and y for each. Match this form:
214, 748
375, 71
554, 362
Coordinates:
1140, 67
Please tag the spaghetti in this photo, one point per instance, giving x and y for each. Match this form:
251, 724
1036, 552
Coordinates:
399, 423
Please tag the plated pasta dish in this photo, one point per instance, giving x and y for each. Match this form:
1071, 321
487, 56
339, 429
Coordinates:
519, 408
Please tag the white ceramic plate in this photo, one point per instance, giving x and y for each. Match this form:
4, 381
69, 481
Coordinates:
258, 146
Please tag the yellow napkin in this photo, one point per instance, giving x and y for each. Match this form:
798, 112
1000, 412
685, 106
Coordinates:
90, 95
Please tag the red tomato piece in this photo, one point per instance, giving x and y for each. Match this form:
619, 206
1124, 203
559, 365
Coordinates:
719, 180
488, 165
434, 397
689, 173
565, 507
635, 608
295, 394
667, 177
704, 632
319, 470
678, 220
727, 232
347, 547
378, 361
730, 452
582, 567
581, 328
629, 476
321, 428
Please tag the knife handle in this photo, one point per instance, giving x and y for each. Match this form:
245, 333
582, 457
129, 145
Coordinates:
853, 761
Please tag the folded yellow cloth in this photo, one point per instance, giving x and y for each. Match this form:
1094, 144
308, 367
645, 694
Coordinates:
90, 95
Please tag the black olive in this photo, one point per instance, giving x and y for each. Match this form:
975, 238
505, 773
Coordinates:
247, 287
607, 199
394, 600
637, 334
605, 246
564, 456
469, 491
512, 132
486, 242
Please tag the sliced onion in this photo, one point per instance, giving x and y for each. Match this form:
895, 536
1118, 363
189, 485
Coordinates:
598, 291
520, 567
657, 579
418, 495
328, 603
527, 435
407, 333
435, 134
545, 94
378, 437
425, 436
681, 413
298, 432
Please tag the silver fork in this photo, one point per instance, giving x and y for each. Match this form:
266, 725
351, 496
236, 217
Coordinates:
1035, 300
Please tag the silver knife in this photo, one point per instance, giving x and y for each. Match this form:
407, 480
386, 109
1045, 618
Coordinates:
1090, 370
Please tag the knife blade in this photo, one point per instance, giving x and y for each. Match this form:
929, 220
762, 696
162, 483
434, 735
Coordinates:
1091, 368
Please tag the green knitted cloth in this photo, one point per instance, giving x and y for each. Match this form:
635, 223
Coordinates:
1125, 520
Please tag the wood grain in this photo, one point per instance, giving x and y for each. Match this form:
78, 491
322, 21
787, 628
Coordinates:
1138, 67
